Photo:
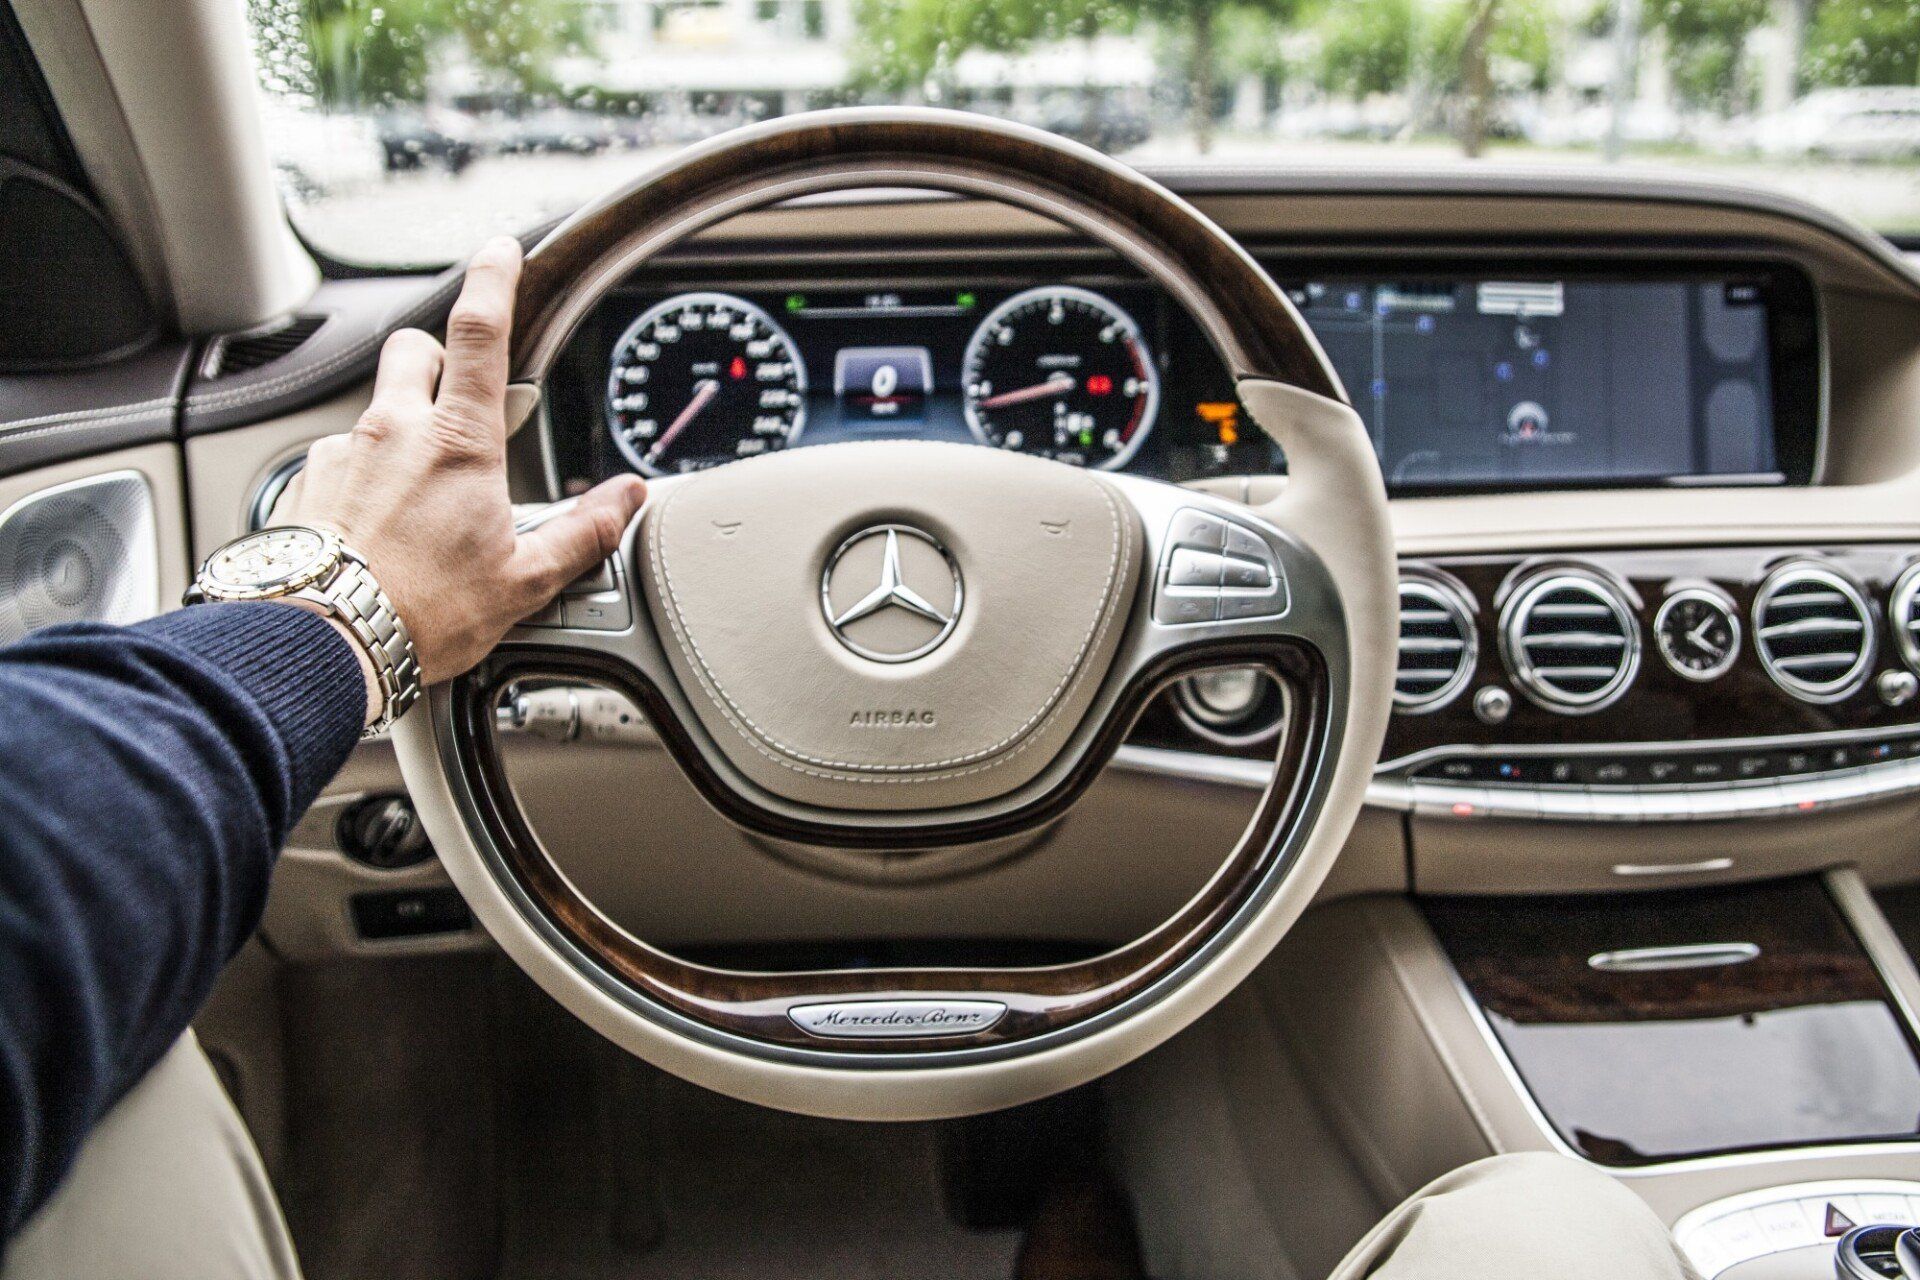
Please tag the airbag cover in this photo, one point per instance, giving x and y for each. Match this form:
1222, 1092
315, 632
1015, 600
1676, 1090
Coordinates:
1041, 562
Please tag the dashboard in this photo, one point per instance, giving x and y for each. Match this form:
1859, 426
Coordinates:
1665, 741
1540, 682
1535, 375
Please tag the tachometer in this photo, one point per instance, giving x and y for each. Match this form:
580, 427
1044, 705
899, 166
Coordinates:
1063, 373
701, 379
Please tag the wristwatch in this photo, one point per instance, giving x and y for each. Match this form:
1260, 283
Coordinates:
294, 562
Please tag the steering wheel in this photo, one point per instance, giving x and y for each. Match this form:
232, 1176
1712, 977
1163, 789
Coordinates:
908, 647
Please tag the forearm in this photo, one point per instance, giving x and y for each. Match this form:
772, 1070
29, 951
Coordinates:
148, 776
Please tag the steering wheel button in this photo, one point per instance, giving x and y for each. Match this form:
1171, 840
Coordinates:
1191, 528
1180, 607
1242, 541
1190, 568
1246, 573
553, 615
603, 611
1269, 603
598, 578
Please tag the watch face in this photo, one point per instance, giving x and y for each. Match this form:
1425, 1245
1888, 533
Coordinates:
268, 559
1698, 633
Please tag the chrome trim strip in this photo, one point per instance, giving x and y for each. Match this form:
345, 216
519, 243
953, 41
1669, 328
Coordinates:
1196, 766
1705, 803
1701, 867
1694, 955
1392, 789
1831, 737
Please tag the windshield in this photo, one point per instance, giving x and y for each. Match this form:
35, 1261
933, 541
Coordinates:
405, 132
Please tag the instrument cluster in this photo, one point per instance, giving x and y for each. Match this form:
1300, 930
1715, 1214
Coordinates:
1100, 373
1057, 371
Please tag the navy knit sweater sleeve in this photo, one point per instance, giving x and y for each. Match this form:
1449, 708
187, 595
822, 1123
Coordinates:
148, 776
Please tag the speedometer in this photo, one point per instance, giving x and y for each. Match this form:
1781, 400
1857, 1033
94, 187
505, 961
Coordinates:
1062, 373
701, 379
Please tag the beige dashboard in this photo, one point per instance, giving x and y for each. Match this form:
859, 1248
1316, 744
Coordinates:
1163, 815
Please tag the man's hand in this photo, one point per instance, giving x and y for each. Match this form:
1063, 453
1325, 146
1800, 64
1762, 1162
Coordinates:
419, 486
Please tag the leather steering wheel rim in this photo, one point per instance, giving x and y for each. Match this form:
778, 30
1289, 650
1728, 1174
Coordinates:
973, 1041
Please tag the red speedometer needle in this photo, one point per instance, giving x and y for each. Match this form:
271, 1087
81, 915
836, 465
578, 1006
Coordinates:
706, 389
1058, 384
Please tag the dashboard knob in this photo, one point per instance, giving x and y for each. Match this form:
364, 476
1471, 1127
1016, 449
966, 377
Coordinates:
1897, 688
1493, 705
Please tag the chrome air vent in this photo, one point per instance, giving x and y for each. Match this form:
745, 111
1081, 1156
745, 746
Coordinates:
1903, 612
1438, 645
1813, 631
1570, 641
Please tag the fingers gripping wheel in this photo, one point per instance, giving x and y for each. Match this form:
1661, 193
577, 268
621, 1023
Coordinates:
915, 646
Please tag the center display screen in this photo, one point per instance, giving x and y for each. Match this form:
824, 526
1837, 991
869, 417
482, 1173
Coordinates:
1528, 383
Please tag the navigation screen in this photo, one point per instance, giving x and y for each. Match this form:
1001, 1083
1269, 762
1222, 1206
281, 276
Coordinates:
1532, 382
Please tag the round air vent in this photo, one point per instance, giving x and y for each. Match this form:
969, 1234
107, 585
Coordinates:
1438, 645
1570, 641
1813, 631
1903, 611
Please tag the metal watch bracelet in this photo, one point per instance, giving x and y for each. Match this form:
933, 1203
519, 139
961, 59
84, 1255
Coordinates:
359, 603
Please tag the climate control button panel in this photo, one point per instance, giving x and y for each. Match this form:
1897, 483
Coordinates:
1634, 784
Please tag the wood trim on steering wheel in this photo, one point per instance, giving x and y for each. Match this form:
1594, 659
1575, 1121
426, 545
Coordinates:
756, 1005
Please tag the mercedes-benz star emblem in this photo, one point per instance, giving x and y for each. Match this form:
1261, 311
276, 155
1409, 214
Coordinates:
891, 593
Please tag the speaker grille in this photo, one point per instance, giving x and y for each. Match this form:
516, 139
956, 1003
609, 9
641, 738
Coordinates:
80, 552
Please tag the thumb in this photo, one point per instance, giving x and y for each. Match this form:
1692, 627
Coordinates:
559, 550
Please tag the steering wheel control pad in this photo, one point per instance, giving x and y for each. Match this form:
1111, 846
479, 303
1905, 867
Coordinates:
852, 618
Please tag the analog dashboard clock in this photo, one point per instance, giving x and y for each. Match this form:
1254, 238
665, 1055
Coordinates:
1698, 632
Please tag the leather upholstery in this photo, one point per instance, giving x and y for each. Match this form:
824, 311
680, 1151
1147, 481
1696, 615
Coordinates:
733, 562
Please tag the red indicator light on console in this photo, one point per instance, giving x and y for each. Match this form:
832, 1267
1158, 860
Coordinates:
738, 369
1099, 385
1461, 809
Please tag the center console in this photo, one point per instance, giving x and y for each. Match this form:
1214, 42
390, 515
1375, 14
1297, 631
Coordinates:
1688, 1023
1744, 1056
1696, 1028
